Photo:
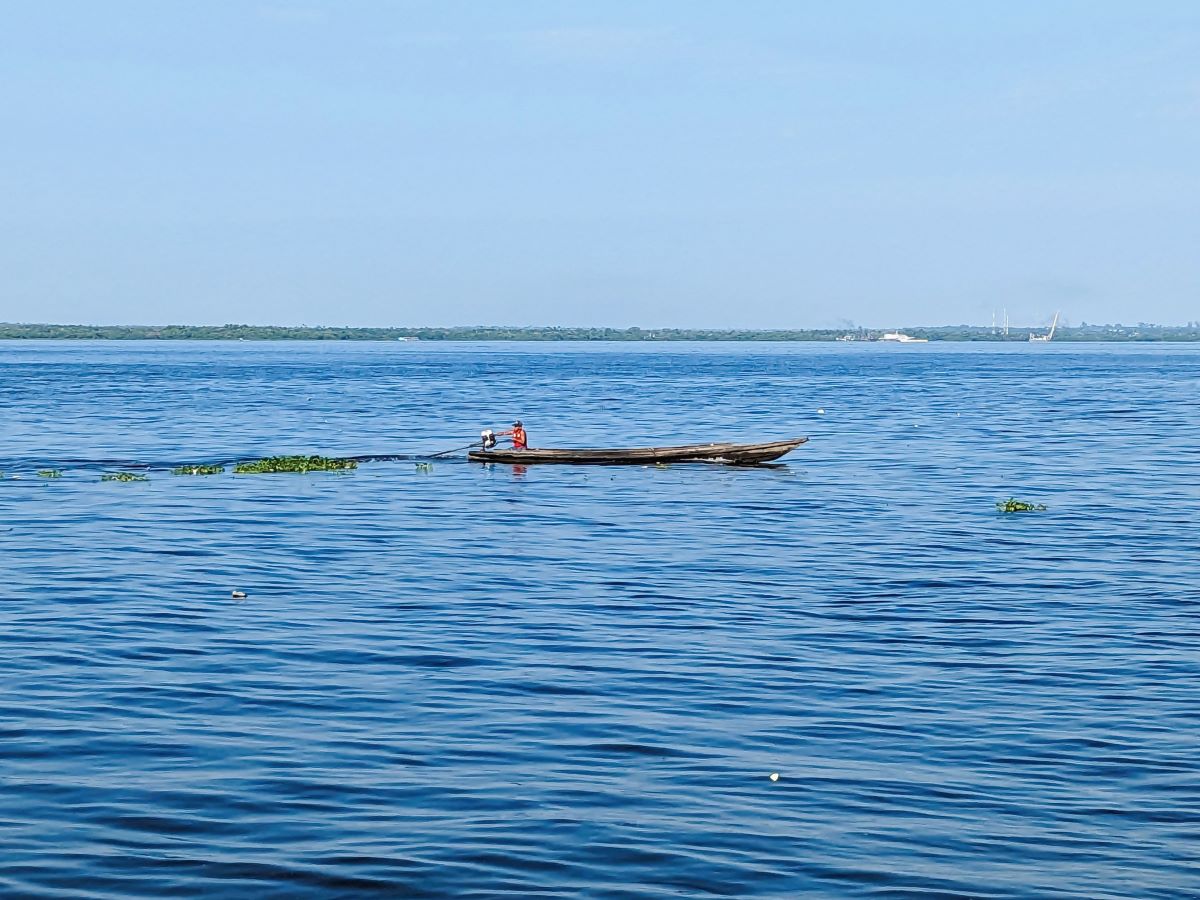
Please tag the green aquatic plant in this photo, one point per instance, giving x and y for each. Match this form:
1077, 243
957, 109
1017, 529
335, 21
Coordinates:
294, 464
1012, 505
123, 476
49, 473
198, 470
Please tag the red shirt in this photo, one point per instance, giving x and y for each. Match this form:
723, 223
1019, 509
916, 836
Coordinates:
518, 437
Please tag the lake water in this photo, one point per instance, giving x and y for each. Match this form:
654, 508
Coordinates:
474, 681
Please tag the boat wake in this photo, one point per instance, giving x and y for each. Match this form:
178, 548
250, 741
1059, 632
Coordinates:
19, 466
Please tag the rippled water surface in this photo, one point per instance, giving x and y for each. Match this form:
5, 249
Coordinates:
472, 681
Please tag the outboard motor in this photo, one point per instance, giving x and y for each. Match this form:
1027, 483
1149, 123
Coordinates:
488, 438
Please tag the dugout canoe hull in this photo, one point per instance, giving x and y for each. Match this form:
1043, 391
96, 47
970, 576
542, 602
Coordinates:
732, 454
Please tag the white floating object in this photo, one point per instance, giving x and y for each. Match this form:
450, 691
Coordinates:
774, 776
238, 595
820, 412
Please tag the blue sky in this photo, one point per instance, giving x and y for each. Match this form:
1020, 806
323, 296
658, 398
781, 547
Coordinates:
747, 163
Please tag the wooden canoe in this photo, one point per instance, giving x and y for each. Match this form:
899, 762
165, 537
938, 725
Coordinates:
733, 454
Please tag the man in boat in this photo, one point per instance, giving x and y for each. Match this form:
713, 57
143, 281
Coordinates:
517, 432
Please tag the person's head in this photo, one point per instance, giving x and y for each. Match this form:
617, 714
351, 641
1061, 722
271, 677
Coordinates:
517, 424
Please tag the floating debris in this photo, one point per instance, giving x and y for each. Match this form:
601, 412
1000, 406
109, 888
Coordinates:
424, 468
1013, 505
294, 464
774, 776
198, 470
238, 595
123, 476
49, 473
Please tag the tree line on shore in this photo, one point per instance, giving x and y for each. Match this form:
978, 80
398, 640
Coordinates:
1140, 332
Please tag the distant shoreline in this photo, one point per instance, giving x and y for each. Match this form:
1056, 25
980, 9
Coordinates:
1076, 334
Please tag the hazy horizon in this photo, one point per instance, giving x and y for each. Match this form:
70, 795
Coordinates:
1063, 323
779, 165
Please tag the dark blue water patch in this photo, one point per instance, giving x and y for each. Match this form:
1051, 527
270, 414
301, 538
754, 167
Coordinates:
470, 681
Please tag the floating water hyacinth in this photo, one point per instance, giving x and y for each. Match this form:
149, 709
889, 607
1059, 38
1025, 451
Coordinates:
1012, 505
123, 476
49, 473
198, 470
294, 464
